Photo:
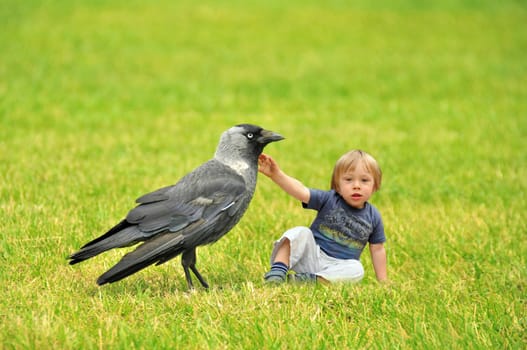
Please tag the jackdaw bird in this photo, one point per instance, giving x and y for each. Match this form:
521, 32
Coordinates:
199, 209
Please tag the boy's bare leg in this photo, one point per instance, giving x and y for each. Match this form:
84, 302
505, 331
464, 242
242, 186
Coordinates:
280, 265
284, 252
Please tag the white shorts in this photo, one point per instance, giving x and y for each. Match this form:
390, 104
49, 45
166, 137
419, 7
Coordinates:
306, 256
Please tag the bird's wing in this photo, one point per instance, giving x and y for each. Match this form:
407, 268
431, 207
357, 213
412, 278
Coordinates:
201, 194
156, 196
200, 206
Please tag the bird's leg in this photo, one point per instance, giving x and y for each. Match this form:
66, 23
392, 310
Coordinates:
187, 277
188, 260
200, 278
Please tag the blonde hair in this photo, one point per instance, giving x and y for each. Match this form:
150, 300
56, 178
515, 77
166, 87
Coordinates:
349, 161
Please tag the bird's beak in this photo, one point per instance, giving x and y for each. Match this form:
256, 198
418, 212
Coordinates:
269, 136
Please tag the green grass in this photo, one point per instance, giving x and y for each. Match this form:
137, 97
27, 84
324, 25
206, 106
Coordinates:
102, 101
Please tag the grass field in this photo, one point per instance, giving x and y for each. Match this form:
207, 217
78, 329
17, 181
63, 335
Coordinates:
103, 101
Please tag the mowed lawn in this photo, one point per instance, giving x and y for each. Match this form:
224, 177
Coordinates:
103, 101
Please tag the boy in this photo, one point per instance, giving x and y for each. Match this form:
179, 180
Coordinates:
329, 250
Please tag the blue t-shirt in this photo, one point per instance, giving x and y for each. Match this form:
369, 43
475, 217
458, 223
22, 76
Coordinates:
340, 230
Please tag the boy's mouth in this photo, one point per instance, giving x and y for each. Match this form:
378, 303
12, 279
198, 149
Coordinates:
356, 196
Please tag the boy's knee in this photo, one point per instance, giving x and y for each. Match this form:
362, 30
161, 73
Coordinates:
298, 233
298, 230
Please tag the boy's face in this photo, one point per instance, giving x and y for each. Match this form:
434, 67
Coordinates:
356, 186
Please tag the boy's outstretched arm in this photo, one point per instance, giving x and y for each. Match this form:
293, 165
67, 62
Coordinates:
269, 167
378, 258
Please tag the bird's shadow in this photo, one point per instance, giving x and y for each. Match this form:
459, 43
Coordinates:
162, 285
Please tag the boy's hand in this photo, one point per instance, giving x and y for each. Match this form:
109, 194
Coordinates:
267, 165
270, 168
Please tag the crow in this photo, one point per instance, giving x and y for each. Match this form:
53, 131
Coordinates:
199, 209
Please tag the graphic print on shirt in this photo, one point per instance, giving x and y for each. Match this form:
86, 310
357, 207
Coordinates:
347, 229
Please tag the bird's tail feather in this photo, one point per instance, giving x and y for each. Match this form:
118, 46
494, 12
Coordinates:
126, 237
117, 228
145, 255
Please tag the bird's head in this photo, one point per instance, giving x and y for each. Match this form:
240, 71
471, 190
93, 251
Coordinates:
244, 142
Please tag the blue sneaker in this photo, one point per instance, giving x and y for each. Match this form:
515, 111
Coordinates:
274, 277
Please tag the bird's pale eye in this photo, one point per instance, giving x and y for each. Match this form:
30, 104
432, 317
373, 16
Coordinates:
250, 135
